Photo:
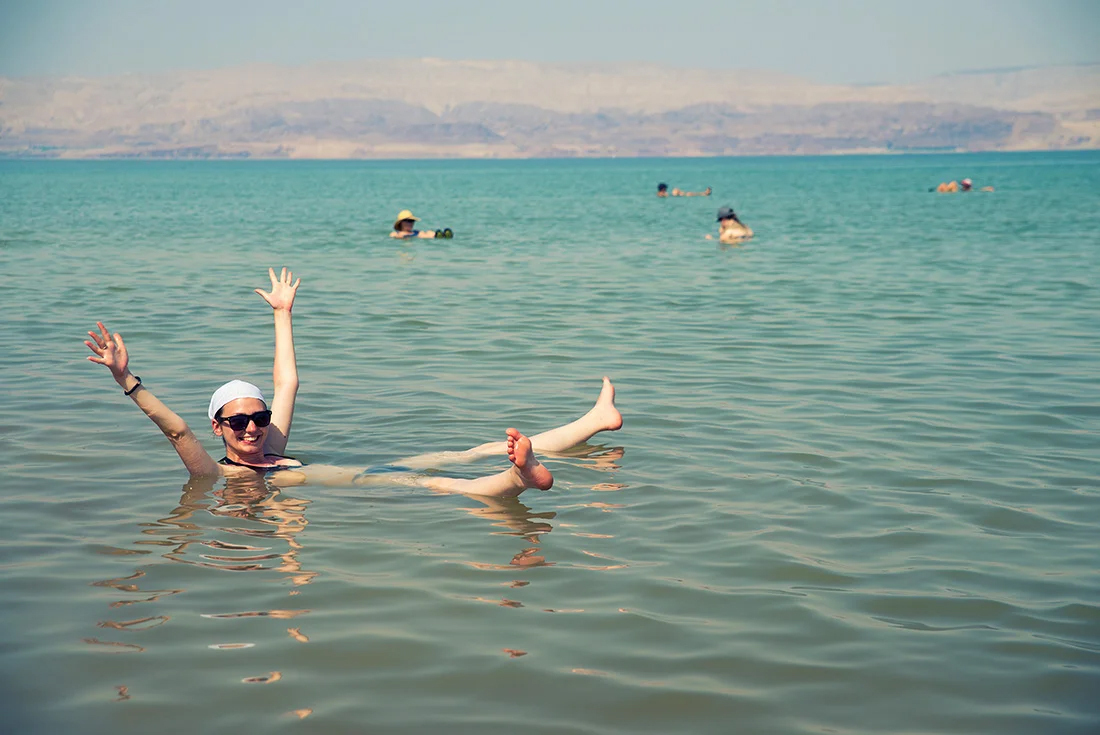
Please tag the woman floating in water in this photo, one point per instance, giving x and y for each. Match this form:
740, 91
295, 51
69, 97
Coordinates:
255, 435
403, 228
730, 229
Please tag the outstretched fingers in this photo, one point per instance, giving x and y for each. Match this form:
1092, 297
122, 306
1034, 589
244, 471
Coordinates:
283, 289
107, 349
100, 342
274, 282
102, 338
287, 277
98, 356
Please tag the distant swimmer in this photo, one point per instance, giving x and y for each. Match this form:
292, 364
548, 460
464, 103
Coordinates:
731, 230
255, 433
968, 185
403, 228
682, 193
662, 191
952, 187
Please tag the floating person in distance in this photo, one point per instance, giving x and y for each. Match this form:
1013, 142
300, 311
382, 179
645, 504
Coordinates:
968, 185
682, 193
405, 222
662, 191
952, 187
731, 230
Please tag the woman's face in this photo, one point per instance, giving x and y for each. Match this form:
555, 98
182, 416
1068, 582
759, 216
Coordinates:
406, 225
248, 440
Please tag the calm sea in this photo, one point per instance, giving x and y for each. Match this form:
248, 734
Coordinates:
857, 491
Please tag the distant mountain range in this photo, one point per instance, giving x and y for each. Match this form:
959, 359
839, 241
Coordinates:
432, 108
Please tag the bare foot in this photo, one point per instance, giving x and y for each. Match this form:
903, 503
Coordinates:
604, 411
530, 470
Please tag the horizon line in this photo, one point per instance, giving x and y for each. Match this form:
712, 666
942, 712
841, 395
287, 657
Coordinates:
516, 159
606, 64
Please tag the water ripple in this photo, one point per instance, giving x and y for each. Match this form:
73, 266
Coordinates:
858, 473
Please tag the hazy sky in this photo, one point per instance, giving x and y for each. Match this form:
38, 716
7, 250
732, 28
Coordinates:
825, 40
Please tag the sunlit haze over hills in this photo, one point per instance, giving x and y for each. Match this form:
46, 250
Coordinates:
493, 79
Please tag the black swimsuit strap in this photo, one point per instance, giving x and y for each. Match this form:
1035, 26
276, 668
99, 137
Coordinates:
258, 467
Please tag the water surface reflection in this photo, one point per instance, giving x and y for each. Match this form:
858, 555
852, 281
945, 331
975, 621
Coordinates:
244, 525
247, 525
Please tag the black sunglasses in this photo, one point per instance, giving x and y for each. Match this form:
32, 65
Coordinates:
239, 421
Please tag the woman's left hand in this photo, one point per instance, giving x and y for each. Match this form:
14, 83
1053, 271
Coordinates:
110, 351
282, 292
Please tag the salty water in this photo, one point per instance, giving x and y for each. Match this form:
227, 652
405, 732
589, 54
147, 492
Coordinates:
856, 491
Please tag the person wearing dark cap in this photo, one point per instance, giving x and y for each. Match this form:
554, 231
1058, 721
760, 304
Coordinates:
954, 187
731, 230
968, 185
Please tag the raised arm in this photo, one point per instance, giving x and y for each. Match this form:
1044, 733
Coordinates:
281, 300
110, 350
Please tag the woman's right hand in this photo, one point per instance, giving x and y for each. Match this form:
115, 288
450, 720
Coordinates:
110, 351
283, 290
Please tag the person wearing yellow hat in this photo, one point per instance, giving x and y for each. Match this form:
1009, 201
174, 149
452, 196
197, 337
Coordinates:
403, 227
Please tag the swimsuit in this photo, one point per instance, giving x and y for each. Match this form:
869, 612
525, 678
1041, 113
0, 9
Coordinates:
263, 468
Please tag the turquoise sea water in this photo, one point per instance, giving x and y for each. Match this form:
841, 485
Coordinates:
857, 491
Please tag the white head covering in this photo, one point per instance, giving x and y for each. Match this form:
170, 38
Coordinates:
231, 391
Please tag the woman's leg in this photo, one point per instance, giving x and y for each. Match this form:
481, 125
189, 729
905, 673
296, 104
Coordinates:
526, 471
602, 417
